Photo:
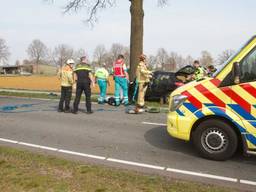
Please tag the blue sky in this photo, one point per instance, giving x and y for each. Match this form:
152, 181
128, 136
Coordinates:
183, 26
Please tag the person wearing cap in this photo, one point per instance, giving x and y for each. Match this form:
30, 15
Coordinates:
143, 78
121, 78
102, 76
83, 78
65, 75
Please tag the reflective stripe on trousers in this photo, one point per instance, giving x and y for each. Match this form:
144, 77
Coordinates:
121, 83
103, 89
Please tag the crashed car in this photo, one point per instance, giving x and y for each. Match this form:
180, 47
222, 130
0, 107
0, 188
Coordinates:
162, 84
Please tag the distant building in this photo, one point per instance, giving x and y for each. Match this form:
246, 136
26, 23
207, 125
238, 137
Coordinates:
12, 70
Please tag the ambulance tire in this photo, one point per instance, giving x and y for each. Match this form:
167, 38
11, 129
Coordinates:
215, 139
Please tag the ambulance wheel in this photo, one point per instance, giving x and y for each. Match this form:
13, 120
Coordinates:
215, 139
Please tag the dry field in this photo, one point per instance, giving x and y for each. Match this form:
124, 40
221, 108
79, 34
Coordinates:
39, 83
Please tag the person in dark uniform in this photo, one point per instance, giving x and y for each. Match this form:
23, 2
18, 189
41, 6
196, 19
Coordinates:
84, 78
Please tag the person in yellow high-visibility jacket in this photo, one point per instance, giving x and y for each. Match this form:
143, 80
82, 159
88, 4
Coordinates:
102, 76
200, 72
143, 78
65, 75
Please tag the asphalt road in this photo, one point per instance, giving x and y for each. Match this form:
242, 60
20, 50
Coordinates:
114, 135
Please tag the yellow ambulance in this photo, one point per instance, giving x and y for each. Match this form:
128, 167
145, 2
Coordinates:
219, 114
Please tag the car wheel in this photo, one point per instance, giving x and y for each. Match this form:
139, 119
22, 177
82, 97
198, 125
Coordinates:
215, 139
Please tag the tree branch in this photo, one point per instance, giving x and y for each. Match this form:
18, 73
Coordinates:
162, 3
92, 7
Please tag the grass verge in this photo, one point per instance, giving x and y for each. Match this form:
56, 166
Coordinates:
39, 95
25, 171
94, 98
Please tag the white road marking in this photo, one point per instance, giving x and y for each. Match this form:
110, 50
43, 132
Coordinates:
202, 175
48, 148
8, 140
38, 146
209, 176
135, 164
247, 182
29, 144
149, 123
81, 154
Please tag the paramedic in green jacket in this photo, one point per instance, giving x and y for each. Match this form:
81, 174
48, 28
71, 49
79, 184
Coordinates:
102, 75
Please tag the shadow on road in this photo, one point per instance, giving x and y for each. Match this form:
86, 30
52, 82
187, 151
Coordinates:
248, 160
159, 138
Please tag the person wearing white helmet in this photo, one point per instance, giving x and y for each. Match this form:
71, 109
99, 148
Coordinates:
65, 75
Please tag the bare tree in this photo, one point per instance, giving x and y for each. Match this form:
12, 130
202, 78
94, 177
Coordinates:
108, 60
99, 53
224, 56
78, 54
4, 52
152, 62
162, 58
61, 54
189, 60
206, 59
116, 49
37, 51
175, 61
137, 17
126, 53
92, 7
162, 2
172, 61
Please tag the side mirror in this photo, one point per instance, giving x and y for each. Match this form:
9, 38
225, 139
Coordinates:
236, 73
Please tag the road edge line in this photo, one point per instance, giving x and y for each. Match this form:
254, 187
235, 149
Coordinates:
136, 164
149, 123
202, 175
247, 182
132, 163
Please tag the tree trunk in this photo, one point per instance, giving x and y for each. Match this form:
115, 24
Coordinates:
37, 64
136, 39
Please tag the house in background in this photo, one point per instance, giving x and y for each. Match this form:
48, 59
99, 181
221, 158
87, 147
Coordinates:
28, 69
15, 70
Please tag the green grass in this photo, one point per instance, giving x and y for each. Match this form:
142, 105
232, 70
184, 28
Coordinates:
25, 171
